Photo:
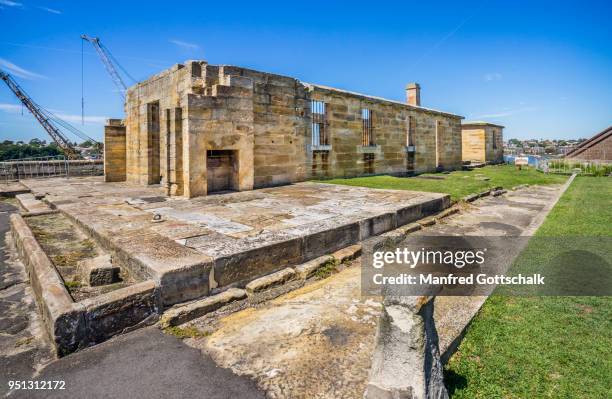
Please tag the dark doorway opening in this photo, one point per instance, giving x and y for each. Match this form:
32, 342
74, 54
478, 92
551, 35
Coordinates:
221, 171
368, 163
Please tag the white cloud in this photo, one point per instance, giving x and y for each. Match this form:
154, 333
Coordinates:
51, 10
185, 45
12, 108
491, 76
9, 3
18, 71
507, 113
98, 120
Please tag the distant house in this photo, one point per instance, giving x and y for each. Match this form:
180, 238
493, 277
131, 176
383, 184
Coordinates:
482, 142
597, 148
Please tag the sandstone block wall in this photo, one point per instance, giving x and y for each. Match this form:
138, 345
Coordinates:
482, 142
390, 122
178, 119
167, 90
114, 151
494, 152
473, 145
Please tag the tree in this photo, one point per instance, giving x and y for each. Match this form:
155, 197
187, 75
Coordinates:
18, 150
37, 142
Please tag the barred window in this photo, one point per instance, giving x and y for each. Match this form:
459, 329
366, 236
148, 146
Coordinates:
368, 135
319, 133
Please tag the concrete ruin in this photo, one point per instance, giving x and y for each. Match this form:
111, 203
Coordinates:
198, 128
482, 142
178, 249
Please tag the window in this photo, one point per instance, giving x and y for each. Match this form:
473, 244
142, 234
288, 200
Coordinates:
411, 131
319, 133
368, 134
438, 138
494, 140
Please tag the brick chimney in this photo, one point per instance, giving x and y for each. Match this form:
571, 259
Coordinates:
413, 94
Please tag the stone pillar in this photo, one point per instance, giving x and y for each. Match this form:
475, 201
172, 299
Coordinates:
413, 94
114, 150
176, 153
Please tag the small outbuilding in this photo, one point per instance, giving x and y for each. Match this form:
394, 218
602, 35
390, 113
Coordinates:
482, 142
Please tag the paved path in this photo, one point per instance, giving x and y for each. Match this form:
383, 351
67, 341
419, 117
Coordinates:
22, 346
317, 341
143, 364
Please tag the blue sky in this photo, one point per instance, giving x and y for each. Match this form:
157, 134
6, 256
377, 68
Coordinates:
542, 69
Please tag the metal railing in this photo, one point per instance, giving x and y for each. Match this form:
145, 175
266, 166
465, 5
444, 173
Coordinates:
46, 167
570, 166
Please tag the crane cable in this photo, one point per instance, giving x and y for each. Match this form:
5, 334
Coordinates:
112, 57
82, 87
50, 115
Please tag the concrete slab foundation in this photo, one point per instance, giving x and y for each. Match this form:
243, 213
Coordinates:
192, 246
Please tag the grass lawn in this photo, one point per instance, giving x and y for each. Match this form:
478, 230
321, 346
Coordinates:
458, 184
541, 347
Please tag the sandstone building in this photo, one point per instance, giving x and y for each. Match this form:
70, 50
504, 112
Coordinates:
482, 142
198, 128
597, 148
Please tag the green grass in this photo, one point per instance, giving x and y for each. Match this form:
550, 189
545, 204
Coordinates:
547, 346
584, 210
327, 269
458, 184
186, 332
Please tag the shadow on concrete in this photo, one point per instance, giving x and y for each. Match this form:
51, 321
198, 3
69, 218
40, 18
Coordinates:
143, 364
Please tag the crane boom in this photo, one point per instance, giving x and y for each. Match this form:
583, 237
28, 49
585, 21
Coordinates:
40, 116
106, 60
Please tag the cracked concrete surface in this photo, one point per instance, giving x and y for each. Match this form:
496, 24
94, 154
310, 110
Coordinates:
317, 341
239, 236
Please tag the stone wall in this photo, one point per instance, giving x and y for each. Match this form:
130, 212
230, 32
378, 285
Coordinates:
482, 142
167, 89
349, 157
495, 144
263, 120
473, 145
114, 151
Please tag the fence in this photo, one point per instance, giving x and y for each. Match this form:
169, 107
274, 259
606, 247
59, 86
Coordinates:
568, 166
45, 167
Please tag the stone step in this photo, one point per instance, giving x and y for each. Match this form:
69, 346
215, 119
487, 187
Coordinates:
31, 204
185, 313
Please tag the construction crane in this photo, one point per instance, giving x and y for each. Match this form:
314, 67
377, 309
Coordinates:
109, 63
47, 120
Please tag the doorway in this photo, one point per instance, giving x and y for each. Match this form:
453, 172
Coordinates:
221, 171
